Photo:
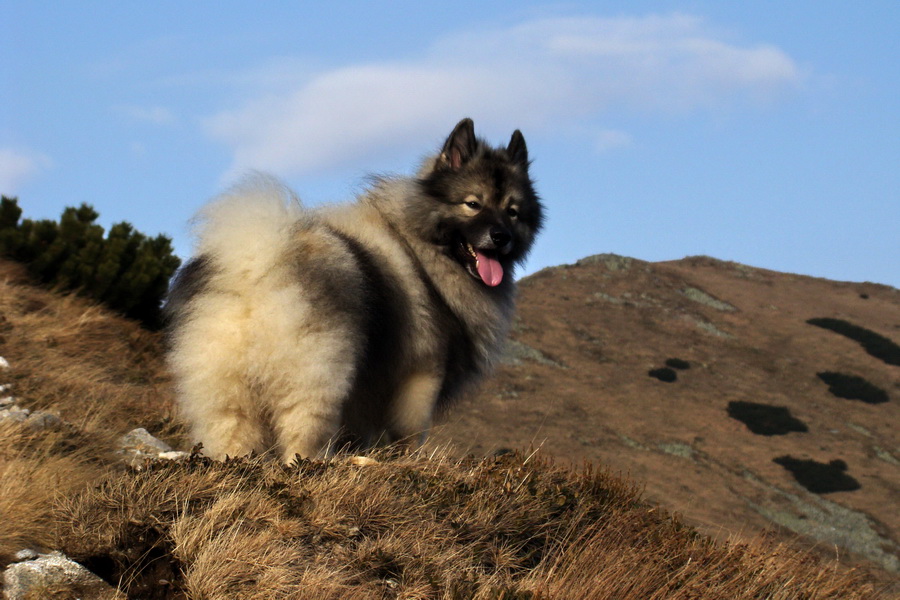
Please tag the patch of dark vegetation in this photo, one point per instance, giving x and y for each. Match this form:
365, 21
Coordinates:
123, 268
864, 296
819, 478
876, 345
150, 568
677, 363
765, 419
853, 387
664, 374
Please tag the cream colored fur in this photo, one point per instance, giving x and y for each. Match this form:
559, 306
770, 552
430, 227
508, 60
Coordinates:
252, 354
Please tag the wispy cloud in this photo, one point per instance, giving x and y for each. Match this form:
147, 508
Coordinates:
156, 115
18, 166
611, 139
538, 74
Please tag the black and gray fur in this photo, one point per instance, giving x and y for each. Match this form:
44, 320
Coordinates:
301, 330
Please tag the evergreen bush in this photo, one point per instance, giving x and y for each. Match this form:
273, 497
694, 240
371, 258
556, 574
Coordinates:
124, 269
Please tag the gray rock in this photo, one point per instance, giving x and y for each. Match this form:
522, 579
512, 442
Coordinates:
174, 455
7, 401
137, 447
25, 554
514, 352
613, 262
698, 295
54, 574
140, 440
14, 412
40, 419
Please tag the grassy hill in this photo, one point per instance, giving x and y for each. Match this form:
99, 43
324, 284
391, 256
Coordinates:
427, 525
746, 400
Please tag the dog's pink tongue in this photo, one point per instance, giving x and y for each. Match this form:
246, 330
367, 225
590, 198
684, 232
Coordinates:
489, 269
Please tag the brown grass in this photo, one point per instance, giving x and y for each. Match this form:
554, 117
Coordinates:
102, 374
408, 526
414, 527
32, 481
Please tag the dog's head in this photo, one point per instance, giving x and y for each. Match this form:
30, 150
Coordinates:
485, 211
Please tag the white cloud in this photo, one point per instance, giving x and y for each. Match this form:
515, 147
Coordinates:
611, 139
536, 75
18, 166
156, 115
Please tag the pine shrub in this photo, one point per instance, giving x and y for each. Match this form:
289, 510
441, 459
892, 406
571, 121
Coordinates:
124, 269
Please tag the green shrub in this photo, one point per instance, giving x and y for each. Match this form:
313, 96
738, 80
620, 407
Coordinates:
819, 478
853, 387
124, 269
765, 419
876, 345
677, 363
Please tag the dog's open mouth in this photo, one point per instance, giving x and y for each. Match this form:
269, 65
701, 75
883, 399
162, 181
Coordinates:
480, 264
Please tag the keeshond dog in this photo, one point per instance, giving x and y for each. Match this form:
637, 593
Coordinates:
304, 331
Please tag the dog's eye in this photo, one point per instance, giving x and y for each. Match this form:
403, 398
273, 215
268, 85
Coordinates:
473, 205
512, 212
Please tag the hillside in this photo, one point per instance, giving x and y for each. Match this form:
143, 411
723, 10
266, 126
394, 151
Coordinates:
747, 410
514, 524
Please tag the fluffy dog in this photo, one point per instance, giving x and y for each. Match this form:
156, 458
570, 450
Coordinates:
306, 330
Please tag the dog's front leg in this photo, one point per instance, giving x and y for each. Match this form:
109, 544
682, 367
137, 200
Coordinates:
412, 410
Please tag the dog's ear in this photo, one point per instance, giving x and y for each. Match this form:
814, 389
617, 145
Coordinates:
460, 146
517, 150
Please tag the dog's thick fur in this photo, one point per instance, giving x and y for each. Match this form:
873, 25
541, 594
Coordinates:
300, 330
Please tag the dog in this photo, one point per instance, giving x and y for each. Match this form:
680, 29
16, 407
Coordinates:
305, 331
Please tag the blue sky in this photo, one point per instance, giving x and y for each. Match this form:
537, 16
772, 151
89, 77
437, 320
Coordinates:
762, 132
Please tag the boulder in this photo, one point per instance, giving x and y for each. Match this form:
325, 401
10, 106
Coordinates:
53, 575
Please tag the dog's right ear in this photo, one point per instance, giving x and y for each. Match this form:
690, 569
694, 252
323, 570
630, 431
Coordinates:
517, 150
460, 146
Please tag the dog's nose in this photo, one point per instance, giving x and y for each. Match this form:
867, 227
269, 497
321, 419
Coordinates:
500, 236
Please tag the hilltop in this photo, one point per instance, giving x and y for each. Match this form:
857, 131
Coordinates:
505, 522
716, 385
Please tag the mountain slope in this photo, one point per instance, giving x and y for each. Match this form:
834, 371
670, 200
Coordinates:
429, 525
577, 383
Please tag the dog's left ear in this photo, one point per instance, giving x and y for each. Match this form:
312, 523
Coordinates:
517, 150
460, 146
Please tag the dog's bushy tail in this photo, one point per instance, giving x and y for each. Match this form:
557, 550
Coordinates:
248, 227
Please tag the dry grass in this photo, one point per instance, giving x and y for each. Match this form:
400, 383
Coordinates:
33, 477
407, 526
100, 373
414, 527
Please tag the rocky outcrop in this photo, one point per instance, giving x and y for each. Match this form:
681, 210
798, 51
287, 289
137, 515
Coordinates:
53, 575
138, 446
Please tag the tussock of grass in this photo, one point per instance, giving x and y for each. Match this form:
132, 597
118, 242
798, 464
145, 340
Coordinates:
819, 478
678, 363
412, 527
664, 374
34, 475
765, 419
